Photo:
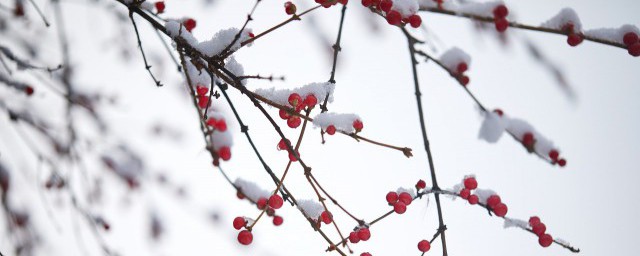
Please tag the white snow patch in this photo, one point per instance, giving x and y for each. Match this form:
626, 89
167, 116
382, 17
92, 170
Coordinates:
512, 222
251, 190
342, 122
406, 8
312, 208
176, 29
566, 16
612, 34
411, 191
221, 40
281, 96
477, 8
492, 127
454, 56
484, 194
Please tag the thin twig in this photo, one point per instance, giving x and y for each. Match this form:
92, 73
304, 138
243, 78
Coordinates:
144, 57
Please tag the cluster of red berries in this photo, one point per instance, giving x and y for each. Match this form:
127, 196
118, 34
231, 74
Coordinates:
329, 3
399, 201
298, 103
189, 24
393, 17
282, 145
290, 8
529, 141
573, 38
201, 94
357, 125
360, 234
424, 246
500, 13
459, 72
494, 203
217, 124
633, 43
555, 158
159, 6
539, 229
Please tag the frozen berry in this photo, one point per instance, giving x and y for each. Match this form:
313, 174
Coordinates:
394, 18
367, 3
203, 101
326, 217
554, 154
392, 197
160, 7
262, 203
462, 67
365, 254
545, 240
470, 183
415, 21
292, 157
464, 193
239, 195
275, 201
498, 111
224, 153
574, 39
501, 24
295, 99
399, 207
528, 140
190, 24
634, 49
473, 199
28, 90
500, 11
310, 100
424, 246
421, 184
533, 220
282, 145
493, 200
284, 114
405, 198
353, 238
500, 210
245, 237
201, 90
294, 122
364, 234
562, 162
331, 130
289, 8
277, 220
464, 80
630, 38
357, 124
385, 5
539, 228
239, 222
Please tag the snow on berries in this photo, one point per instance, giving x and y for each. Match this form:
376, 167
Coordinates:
348, 123
311, 209
457, 62
397, 12
400, 199
568, 22
298, 99
626, 34
424, 246
250, 190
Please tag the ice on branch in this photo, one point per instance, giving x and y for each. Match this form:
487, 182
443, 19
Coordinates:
221, 40
453, 57
561, 20
342, 122
177, 30
281, 96
405, 7
612, 34
512, 222
492, 127
251, 190
311, 208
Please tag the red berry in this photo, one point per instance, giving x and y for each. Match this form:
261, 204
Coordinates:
500, 11
574, 39
421, 184
357, 124
292, 157
365, 253
245, 237
220, 125
533, 220
630, 38
568, 28
634, 49
201, 90
462, 67
282, 145
493, 200
203, 101
343, 2
538, 228
240, 195
275, 201
190, 24
405, 198
294, 122
500, 209
270, 212
284, 114
464, 193
415, 21
385, 5
473, 199
424, 246
290, 8
394, 18
554, 154
295, 99
562, 162
353, 238
464, 80
528, 140
277, 220
498, 111
399, 207
224, 153
392, 197
310, 100
262, 203
28, 90
331, 130
501, 24
367, 3
239, 222
545, 240
160, 6
326, 217
251, 35
470, 183
364, 234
